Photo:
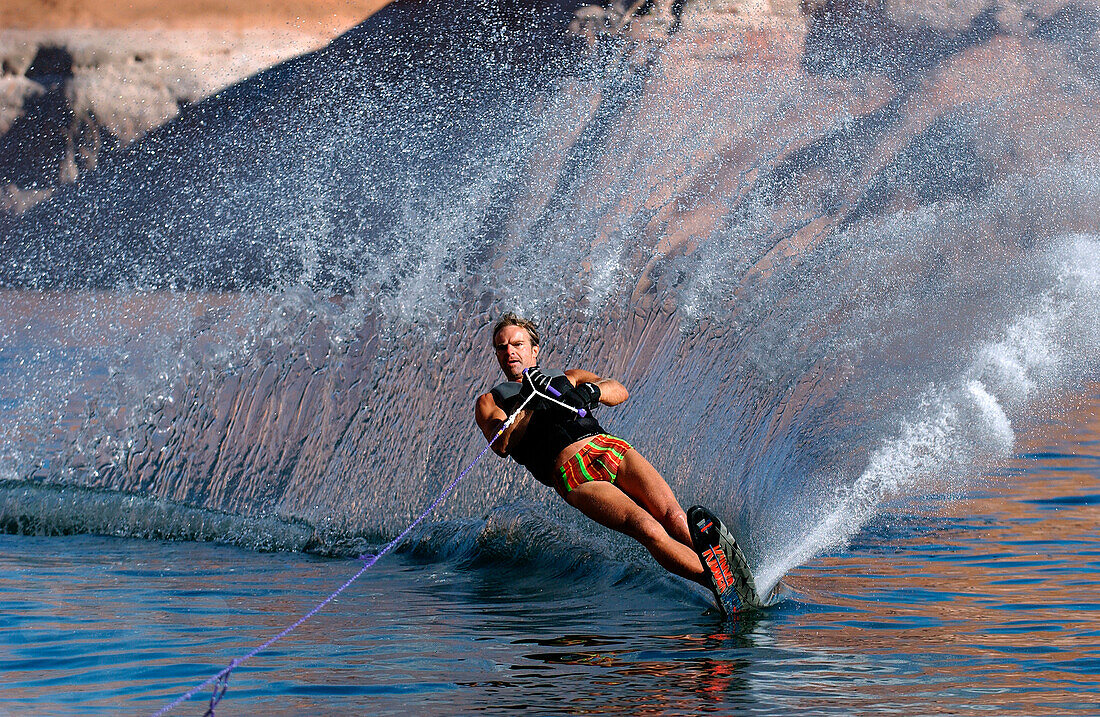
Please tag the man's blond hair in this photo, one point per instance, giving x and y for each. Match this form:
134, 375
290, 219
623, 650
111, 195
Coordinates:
510, 319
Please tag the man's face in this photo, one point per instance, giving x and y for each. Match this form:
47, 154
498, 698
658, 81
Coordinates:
515, 351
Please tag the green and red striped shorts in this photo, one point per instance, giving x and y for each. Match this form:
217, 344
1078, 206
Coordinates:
598, 459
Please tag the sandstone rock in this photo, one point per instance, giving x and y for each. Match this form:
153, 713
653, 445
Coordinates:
129, 69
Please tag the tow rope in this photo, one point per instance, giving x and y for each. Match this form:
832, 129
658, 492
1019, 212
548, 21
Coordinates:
221, 679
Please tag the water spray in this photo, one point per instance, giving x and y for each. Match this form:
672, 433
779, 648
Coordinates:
221, 679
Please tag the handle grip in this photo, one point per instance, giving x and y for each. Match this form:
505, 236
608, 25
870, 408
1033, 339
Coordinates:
557, 394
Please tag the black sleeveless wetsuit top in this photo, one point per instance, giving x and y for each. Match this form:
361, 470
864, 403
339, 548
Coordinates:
550, 429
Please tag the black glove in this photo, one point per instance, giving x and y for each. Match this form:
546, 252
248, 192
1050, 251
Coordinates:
533, 379
540, 380
585, 395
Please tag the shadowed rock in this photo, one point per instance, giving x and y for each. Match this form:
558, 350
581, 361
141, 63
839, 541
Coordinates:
50, 142
1073, 25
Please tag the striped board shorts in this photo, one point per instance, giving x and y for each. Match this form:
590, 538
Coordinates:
598, 459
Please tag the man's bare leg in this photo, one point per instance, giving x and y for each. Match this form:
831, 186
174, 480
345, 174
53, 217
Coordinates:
641, 481
607, 505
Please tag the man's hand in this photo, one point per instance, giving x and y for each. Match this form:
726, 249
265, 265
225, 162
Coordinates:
585, 395
535, 377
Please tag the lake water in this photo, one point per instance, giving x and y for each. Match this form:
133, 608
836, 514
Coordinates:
985, 603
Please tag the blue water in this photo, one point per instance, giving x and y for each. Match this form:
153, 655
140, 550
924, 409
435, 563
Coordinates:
982, 604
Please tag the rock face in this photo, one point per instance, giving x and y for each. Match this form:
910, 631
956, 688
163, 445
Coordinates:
80, 79
44, 142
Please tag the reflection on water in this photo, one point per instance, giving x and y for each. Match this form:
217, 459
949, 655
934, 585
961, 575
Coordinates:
982, 605
997, 602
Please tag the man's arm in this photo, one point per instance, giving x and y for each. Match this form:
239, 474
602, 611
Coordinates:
612, 393
490, 417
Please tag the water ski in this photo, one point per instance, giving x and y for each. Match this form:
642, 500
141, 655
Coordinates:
730, 577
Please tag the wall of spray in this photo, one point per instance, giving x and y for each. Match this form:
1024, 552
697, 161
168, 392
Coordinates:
832, 259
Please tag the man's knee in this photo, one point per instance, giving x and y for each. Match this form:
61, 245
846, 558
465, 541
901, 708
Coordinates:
675, 515
646, 530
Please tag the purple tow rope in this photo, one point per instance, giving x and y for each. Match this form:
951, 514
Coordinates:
221, 680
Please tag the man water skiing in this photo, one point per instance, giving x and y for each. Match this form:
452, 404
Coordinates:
598, 474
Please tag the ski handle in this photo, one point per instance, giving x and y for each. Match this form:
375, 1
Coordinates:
581, 413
